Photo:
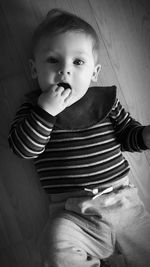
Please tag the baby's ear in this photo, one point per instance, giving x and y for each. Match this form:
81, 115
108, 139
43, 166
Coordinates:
32, 68
96, 72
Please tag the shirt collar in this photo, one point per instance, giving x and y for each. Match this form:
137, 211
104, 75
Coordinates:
92, 108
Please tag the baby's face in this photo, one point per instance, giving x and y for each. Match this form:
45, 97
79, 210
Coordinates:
65, 58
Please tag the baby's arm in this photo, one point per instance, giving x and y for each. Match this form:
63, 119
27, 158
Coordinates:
130, 133
146, 135
30, 131
32, 126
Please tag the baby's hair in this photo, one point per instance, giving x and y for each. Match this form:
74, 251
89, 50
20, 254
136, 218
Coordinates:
59, 21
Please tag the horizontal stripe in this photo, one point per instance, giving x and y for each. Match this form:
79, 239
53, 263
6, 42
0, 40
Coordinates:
82, 146
40, 122
99, 125
19, 152
66, 158
33, 130
116, 104
119, 174
30, 139
79, 166
24, 145
81, 137
85, 174
123, 119
78, 156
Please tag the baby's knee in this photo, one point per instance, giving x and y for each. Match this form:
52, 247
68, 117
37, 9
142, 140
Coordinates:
49, 242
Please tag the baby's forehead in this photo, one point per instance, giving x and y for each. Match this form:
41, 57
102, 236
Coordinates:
68, 35
77, 41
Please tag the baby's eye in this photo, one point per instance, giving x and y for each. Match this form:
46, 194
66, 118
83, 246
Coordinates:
52, 60
79, 62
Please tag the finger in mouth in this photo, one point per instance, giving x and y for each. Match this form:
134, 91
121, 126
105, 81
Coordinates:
64, 85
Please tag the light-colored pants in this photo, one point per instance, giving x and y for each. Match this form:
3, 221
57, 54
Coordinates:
112, 229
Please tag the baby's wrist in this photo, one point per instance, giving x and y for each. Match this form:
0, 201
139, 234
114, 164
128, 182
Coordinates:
45, 107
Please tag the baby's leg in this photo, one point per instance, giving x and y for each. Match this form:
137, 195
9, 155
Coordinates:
134, 233
131, 223
66, 245
126, 214
74, 240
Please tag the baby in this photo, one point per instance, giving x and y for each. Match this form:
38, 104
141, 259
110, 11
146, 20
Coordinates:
75, 134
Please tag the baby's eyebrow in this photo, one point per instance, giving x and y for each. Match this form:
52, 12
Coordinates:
50, 51
82, 53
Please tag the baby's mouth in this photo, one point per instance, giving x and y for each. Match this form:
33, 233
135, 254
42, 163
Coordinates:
64, 85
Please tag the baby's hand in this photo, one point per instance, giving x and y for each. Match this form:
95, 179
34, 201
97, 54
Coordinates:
54, 100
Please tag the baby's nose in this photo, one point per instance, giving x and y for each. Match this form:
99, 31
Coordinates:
64, 69
64, 72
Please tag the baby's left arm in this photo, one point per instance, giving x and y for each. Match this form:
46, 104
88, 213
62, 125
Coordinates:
146, 135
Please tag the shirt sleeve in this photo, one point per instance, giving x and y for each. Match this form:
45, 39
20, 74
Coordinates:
30, 131
128, 130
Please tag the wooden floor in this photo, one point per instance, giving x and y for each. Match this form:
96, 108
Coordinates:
124, 32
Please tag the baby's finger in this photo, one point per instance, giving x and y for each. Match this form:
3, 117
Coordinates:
59, 90
66, 93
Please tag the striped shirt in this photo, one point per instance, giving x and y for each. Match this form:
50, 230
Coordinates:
71, 158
